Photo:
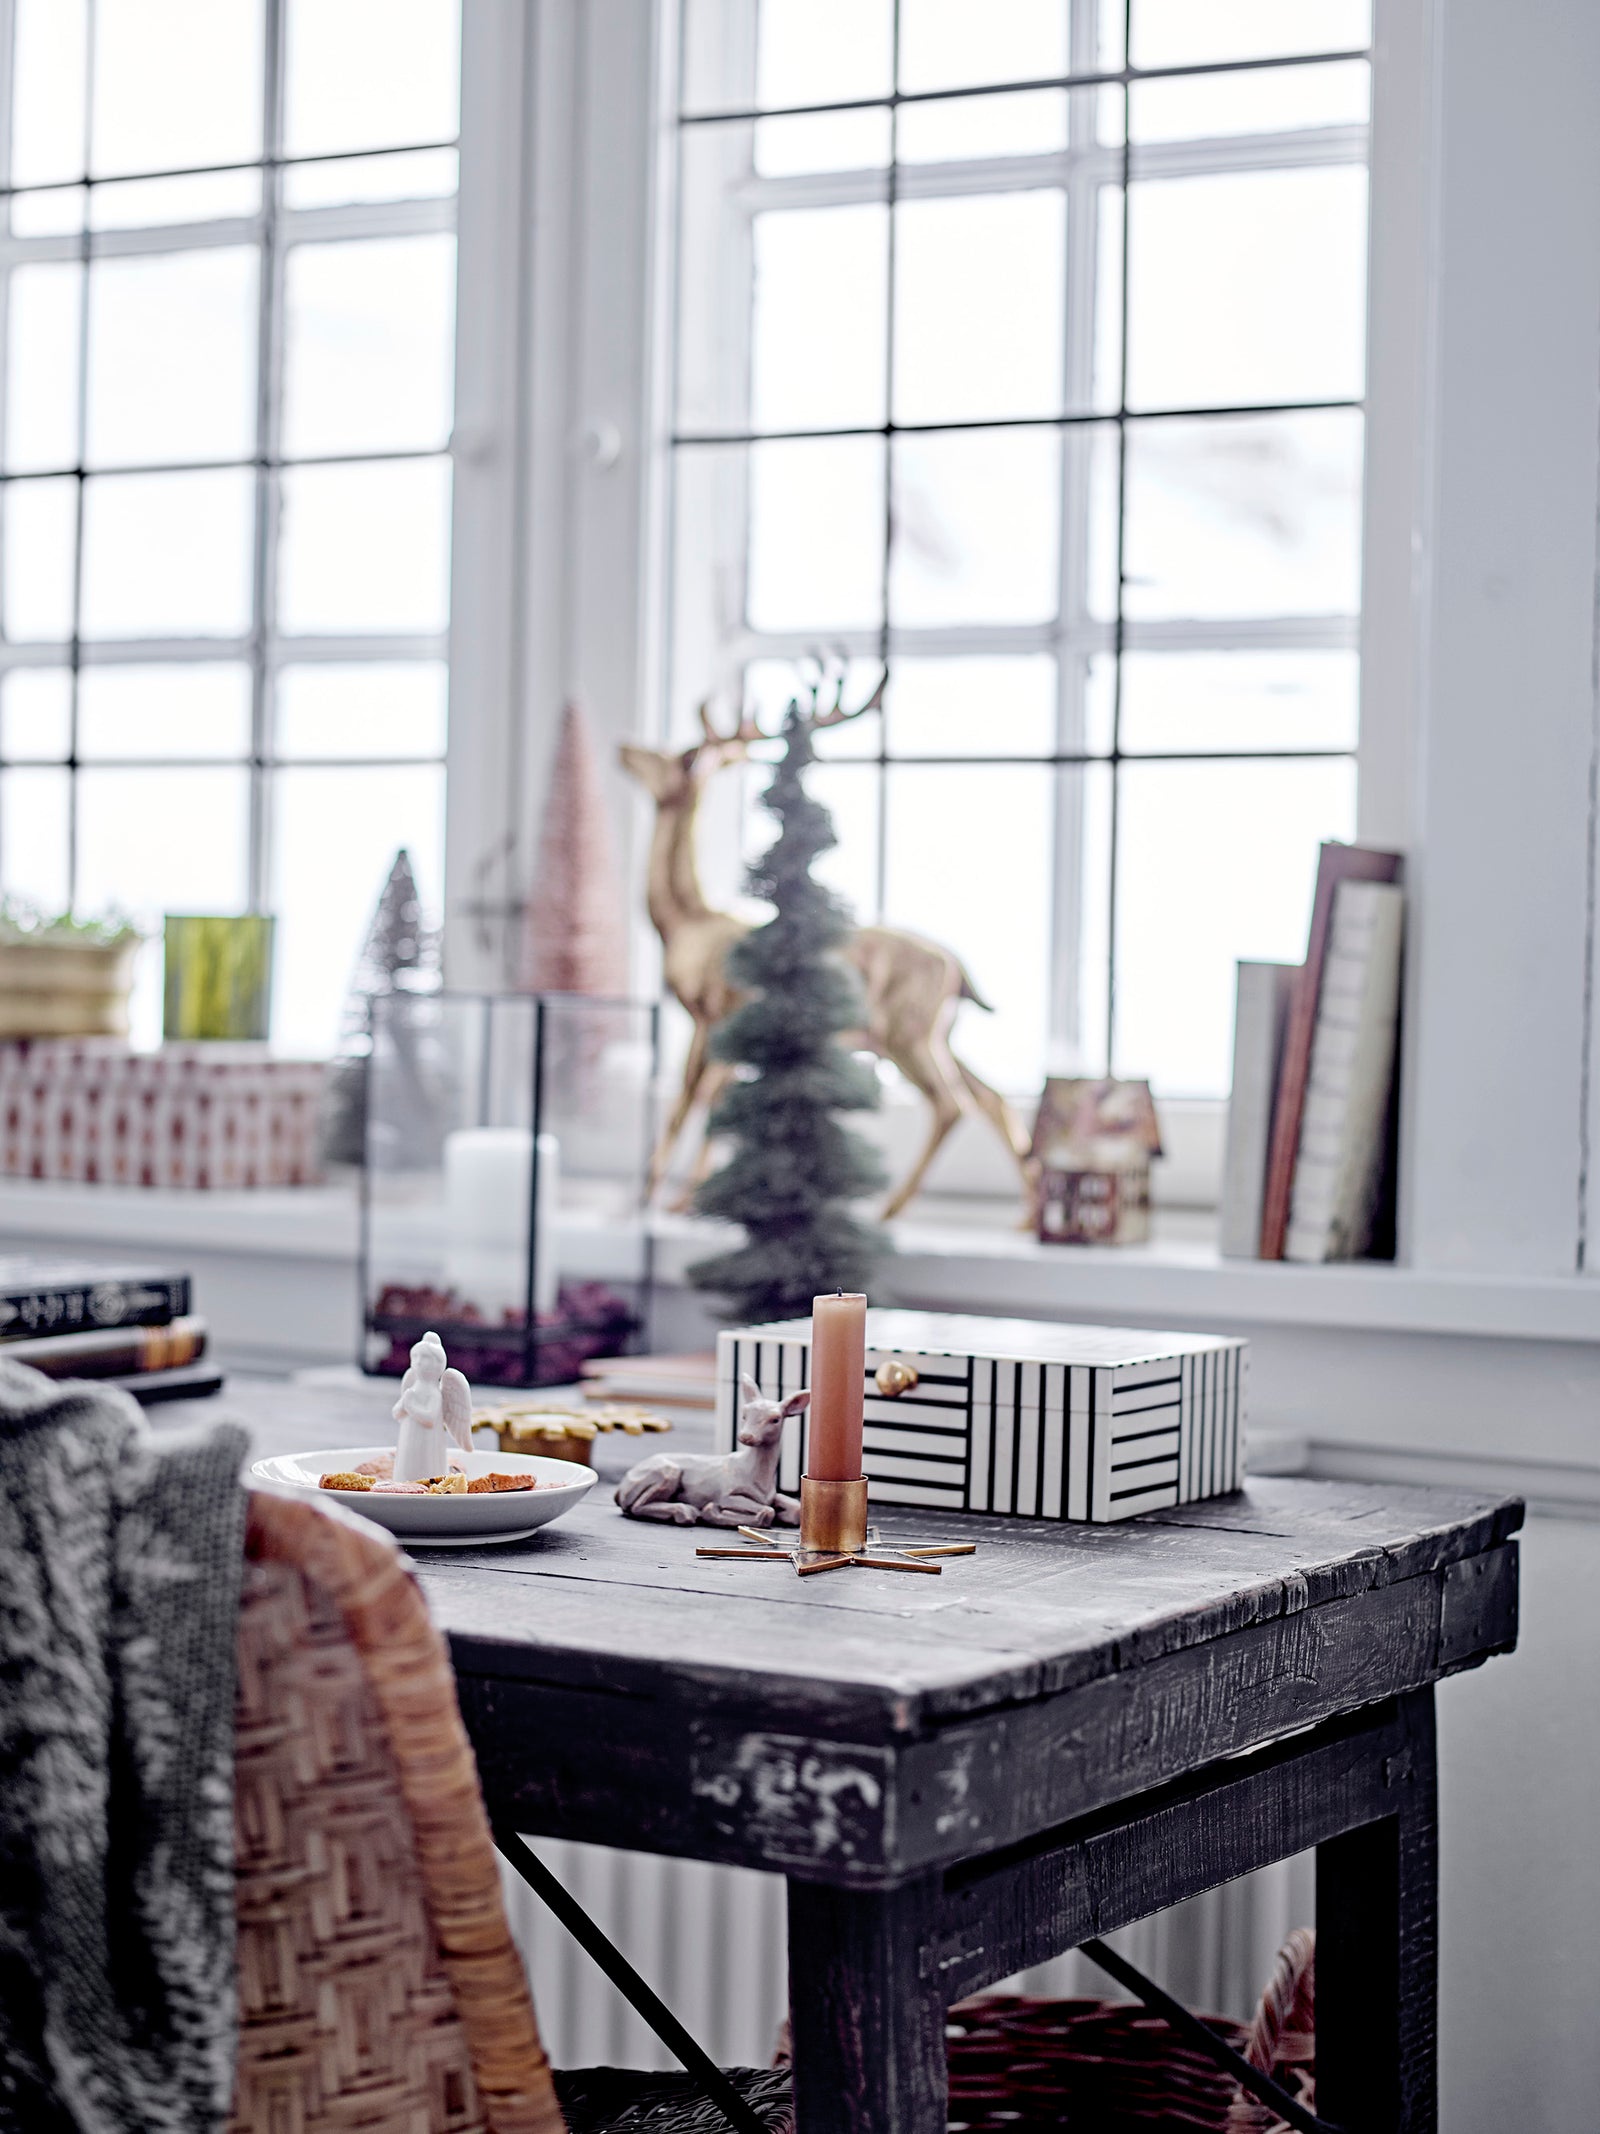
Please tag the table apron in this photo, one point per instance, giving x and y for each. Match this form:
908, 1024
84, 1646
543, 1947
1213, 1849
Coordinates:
718, 1785
1027, 1904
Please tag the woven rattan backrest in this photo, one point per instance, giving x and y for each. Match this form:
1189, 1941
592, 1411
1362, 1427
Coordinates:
1282, 2041
379, 1986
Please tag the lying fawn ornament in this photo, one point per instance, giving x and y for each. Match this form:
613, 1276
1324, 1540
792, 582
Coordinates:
720, 1488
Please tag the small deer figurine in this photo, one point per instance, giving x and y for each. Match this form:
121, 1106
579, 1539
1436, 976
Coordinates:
720, 1489
913, 987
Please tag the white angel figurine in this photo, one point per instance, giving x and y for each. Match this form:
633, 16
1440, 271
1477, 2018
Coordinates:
434, 1412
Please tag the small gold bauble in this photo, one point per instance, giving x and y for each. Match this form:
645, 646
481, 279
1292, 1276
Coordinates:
893, 1378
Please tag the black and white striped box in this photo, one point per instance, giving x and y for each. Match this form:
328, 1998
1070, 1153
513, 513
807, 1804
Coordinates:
1034, 1420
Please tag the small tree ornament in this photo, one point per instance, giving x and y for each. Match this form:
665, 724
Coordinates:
573, 936
400, 949
795, 1168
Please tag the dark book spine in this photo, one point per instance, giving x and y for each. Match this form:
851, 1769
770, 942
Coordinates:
83, 1307
1337, 863
113, 1352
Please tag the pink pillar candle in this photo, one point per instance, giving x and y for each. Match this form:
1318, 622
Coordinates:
838, 1388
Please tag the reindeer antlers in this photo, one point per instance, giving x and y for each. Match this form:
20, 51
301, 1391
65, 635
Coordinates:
749, 728
835, 715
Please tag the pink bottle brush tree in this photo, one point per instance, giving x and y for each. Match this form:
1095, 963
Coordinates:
574, 938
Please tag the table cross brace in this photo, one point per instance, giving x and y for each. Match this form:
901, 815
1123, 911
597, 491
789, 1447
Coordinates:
595, 1942
1178, 2018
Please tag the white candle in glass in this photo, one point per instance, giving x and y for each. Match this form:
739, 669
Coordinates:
487, 1175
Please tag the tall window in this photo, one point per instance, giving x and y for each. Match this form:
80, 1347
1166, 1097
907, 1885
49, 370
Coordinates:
1020, 346
228, 285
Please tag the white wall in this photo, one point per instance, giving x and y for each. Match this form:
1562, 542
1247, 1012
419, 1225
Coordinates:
1478, 644
1519, 1746
549, 588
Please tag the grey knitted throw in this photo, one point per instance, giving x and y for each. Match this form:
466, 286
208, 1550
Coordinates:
120, 1562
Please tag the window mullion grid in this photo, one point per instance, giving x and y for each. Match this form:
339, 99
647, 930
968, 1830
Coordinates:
1084, 170
330, 225
1067, 975
8, 33
1226, 633
1302, 148
216, 170
263, 584
75, 643
1119, 623
1097, 78
362, 648
881, 883
117, 468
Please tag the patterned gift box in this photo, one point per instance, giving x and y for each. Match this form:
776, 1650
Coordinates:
1025, 1418
194, 1116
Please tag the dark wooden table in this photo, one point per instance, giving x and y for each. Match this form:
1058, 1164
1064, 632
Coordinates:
965, 1775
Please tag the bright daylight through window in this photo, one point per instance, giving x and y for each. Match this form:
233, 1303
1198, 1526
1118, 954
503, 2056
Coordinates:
228, 278
1049, 396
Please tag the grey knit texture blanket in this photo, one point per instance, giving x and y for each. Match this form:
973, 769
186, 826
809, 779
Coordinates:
121, 1552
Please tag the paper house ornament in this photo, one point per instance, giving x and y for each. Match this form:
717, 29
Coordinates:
1092, 1145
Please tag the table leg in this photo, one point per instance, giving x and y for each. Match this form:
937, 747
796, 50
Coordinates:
868, 2009
1377, 1950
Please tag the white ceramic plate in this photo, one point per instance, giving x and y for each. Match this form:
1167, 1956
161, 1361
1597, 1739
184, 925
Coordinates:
456, 1522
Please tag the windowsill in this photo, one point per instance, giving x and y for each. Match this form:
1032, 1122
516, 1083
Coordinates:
299, 1222
942, 1261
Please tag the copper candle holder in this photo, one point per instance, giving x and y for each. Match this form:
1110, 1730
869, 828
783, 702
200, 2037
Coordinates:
834, 1535
833, 1515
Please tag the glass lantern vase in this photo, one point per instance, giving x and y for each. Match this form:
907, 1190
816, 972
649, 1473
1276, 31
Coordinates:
507, 1144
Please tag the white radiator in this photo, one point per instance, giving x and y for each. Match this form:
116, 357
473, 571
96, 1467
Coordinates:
710, 1940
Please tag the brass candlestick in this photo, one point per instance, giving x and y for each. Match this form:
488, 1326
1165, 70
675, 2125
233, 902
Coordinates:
834, 1534
833, 1515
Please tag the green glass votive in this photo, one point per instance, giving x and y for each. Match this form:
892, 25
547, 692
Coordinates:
218, 976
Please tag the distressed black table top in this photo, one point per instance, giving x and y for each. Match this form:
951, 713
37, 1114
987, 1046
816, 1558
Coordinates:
598, 1602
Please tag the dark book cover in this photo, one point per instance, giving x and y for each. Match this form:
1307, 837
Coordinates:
195, 1381
112, 1352
41, 1296
1338, 863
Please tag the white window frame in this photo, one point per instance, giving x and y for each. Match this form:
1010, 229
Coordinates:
1479, 738
1479, 545
554, 445
1080, 173
264, 648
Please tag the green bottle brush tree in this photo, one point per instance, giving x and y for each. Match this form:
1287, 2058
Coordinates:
795, 1167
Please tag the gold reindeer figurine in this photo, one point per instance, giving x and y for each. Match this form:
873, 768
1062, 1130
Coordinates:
913, 987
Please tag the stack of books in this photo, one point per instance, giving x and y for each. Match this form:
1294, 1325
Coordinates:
125, 1326
654, 1381
1309, 1169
